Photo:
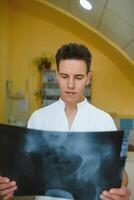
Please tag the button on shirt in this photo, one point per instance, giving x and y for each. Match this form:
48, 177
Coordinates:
87, 118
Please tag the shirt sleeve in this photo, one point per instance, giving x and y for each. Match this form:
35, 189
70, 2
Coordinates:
111, 124
32, 122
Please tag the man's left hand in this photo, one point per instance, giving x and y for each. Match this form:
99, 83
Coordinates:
116, 194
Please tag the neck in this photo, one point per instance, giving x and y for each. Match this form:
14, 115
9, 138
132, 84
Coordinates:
70, 111
71, 107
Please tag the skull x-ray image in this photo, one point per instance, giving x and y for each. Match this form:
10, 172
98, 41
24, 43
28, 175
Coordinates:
70, 165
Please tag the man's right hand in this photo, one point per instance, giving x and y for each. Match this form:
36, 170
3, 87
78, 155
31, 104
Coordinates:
7, 188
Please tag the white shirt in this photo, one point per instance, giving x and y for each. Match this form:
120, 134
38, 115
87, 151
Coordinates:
87, 118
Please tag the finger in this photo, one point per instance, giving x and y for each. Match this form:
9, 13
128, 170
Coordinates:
110, 196
104, 197
7, 185
8, 191
8, 197
120, 191
4, 179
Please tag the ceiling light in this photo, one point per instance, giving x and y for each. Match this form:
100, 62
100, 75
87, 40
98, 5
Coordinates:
86, 4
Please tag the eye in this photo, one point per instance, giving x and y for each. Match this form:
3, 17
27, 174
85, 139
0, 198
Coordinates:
64, 76
79, 77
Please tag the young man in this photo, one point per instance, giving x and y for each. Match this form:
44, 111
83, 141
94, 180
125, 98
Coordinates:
71, 112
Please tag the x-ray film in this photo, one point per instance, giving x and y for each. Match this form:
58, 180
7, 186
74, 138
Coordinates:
66, 165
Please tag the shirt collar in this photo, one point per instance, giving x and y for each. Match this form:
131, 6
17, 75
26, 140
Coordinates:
79, 105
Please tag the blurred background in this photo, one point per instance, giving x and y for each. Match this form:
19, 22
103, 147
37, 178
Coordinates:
31, 31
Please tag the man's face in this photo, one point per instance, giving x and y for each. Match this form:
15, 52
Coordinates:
72, 78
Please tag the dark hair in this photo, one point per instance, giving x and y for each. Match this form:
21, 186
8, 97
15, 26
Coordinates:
74, 51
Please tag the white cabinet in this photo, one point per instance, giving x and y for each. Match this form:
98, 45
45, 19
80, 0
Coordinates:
51, 91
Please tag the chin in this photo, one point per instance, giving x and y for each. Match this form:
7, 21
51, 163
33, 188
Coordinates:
70, 100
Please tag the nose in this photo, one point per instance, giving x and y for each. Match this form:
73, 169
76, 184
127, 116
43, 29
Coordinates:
71, 83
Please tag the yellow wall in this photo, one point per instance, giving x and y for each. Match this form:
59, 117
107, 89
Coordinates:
33, 31
4, 55
31, 36
111, 89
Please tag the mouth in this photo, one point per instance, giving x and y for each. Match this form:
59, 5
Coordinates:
70, 93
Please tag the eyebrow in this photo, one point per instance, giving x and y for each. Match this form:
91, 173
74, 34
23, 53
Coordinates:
68, 74
80, 75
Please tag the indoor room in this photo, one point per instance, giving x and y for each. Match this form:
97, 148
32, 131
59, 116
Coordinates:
30, 34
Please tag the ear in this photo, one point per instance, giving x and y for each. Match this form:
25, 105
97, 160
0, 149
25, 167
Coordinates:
89, 75
57, 76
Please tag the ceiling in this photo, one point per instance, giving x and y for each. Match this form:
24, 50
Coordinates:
113, 18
